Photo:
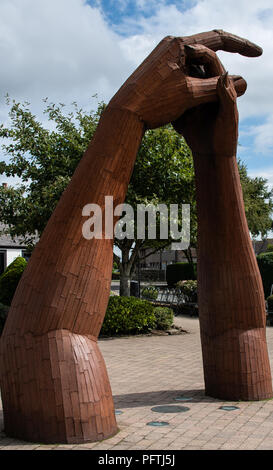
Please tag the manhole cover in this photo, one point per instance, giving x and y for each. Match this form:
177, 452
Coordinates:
158, 423
170, 409
229, 408
118, 412
183, 398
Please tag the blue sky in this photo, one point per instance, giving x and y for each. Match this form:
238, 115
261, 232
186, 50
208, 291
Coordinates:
118, 12
68, 50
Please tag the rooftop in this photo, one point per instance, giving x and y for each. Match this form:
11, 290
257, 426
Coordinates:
7, 242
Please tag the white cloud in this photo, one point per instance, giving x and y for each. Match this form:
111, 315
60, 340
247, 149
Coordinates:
62, 49
10, 181
253, 20
263, 135
266, 173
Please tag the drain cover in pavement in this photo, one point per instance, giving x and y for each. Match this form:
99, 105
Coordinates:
183, 398
229, 408
170, 409
158, 423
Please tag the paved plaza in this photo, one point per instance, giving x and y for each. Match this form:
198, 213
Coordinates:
150, 371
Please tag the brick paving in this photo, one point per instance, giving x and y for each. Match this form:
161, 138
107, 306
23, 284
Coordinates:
150, 371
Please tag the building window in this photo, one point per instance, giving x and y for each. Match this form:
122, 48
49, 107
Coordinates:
2, 261
26, 255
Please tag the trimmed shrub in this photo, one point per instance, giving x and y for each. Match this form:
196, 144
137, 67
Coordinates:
180, 272
149, 292
164, 318
265, 263
270, 303
10, 279
269, 248
128, 315
3, 315
187, 290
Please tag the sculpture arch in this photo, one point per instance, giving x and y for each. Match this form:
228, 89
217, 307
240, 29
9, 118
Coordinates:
54, 382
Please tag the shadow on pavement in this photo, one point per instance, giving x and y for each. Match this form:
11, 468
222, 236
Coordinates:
134, 400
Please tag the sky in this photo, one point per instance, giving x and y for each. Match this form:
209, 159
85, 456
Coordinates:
70, 50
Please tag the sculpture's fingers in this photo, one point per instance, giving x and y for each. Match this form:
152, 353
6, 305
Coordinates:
222, 40
202, 55
239, 83
226, 92
205, 90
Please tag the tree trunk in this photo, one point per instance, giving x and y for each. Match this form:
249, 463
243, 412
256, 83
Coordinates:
125, 269
188, 255
124, 288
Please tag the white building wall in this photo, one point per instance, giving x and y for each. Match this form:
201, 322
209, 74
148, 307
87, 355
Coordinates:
12, 254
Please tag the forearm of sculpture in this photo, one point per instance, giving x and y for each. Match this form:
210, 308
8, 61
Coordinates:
230, 292
230, 295
70, 275
227, 263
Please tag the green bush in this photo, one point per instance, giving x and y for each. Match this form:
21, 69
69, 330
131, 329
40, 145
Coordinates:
10, 279
270, 303
187, 290
128, 315
150, 292
265, 263
3, 315
164, 318
180, 272
269, 248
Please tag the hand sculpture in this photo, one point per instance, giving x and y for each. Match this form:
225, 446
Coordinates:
54, 382
164, 86
230, 292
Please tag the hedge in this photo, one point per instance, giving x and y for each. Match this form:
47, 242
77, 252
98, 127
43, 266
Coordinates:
115, 275
180, 272
128, 315
265, 263
10, 279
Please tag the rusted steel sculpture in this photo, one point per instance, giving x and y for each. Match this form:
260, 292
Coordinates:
54, 382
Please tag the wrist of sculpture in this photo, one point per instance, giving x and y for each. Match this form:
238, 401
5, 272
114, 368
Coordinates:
222, 232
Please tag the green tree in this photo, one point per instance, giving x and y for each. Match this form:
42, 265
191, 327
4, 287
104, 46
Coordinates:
163, 174
44, 158
258, 202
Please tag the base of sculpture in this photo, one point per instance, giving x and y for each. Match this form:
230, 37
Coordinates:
65, 397
236, 366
